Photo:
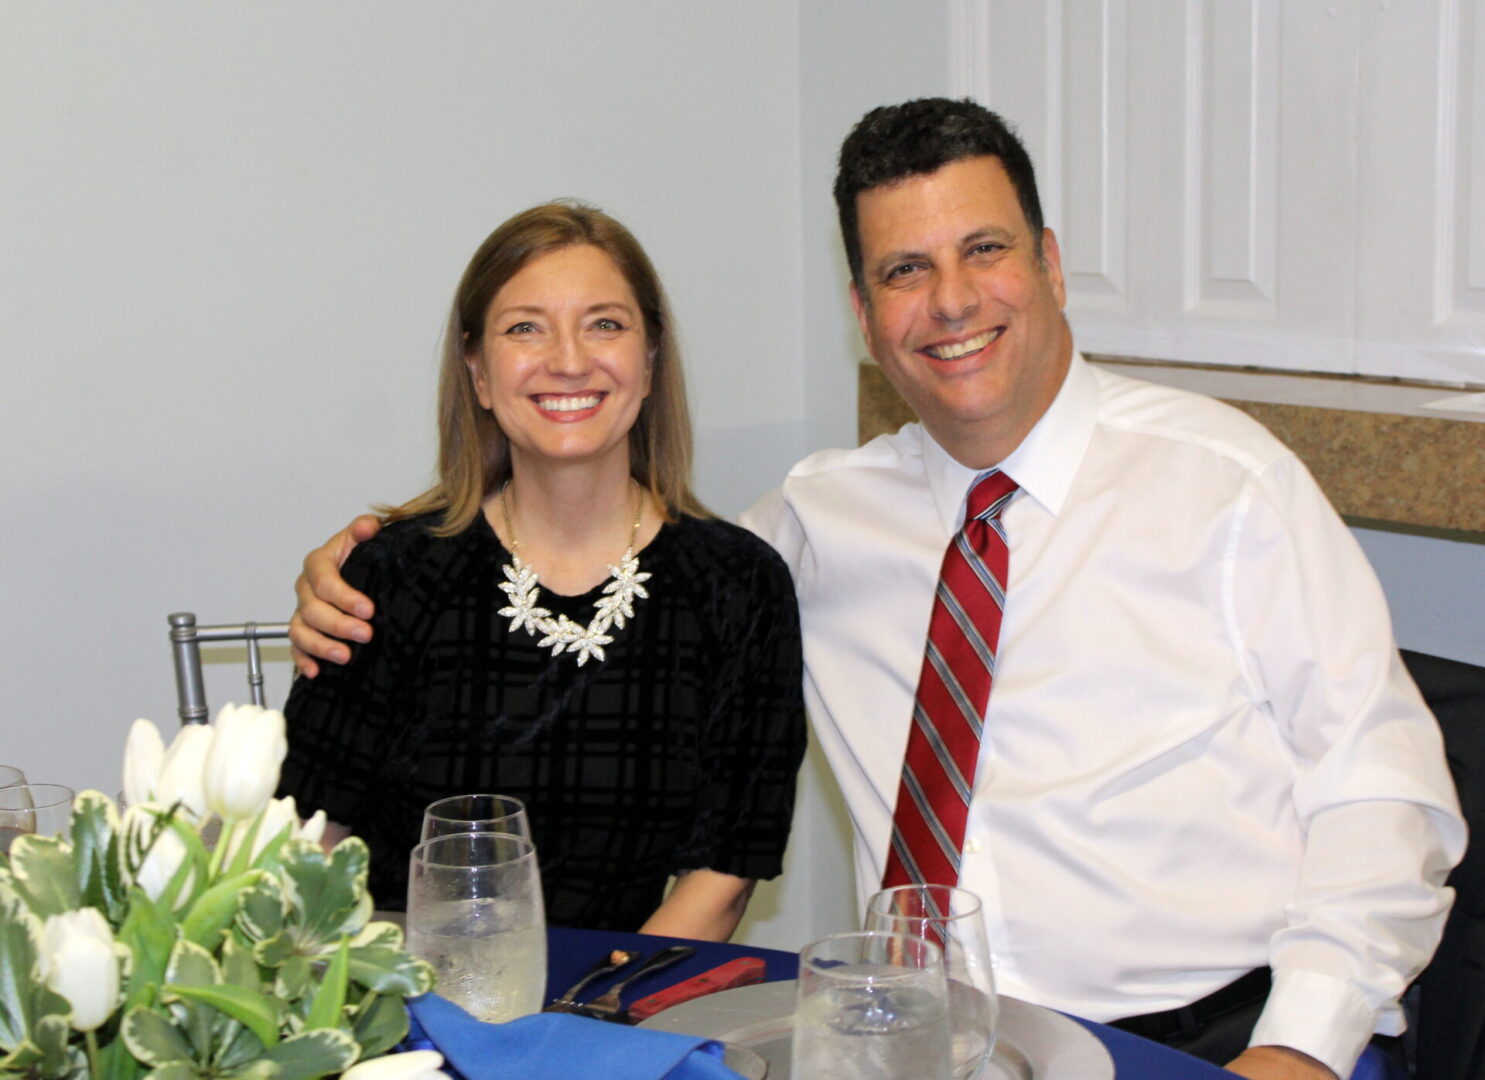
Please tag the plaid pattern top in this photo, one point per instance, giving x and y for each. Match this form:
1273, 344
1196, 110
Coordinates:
676, 752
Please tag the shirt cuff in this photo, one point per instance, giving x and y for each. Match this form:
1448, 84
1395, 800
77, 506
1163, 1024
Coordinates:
1321, 1015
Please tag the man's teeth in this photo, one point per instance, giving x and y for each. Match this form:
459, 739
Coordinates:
569, 404
974, 344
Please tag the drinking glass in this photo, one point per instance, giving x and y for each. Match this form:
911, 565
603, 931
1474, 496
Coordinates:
10, 776
950, 918
871, 1006
43, 809
475, 813
474, 911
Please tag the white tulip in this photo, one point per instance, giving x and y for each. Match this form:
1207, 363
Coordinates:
162, 859
144, 754
313, 830
413, 1065
80, 962
248, 747
278, 813
181, 771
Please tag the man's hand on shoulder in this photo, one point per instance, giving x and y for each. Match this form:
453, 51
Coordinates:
330, 612
1278, 1063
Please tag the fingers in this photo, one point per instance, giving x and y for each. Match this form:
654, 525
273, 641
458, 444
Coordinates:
330, 612
361, 530
322, 575
302, 661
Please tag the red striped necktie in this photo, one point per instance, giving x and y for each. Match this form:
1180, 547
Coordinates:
938, 772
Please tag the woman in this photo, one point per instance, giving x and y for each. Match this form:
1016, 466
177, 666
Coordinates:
560, 619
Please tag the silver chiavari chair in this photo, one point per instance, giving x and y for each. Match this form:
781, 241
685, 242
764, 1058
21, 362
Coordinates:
186, 639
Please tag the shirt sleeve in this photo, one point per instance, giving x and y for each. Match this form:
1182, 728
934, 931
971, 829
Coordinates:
338, 722
754, 737
773, 519
1373, 792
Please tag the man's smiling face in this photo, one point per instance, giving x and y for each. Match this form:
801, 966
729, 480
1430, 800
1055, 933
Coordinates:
958, 309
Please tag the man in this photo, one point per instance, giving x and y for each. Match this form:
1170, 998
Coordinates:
1201, 756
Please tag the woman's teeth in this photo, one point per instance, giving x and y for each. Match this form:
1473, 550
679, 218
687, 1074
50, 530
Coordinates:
569, 404
964, 348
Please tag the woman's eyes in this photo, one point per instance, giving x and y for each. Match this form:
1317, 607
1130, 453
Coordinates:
604, 325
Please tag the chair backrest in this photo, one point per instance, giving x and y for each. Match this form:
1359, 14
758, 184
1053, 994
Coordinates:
1451, 998
185, 642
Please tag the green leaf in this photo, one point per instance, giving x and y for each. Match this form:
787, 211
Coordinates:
389, 970
213, 911
325, 895
20, 942
42, 873
116, 1063
313, 1053
246, 1006
381, 1023
152, 1038
329, 1001
242, 1048
149, 932
194, 869
191, 965
261, 916
261, 1069
238, 965
294, 979
50, 1035
176, 1070
95, 826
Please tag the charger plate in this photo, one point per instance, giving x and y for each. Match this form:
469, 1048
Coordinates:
1033, 1044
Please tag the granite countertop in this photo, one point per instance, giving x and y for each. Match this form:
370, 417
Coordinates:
1385, 452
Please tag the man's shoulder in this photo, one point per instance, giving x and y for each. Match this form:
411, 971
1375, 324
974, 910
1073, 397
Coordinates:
902, 449
1184, 417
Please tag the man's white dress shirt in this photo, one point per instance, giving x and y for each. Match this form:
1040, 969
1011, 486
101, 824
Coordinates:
1202, 753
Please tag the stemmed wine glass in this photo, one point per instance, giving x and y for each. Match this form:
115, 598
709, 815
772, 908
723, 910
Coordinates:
951, 918
475, 813
871, 1006
42, 809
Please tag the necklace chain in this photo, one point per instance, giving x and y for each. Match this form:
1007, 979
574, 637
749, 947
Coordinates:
522, 587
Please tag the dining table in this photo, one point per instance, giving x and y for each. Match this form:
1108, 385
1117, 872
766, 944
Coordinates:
571, 952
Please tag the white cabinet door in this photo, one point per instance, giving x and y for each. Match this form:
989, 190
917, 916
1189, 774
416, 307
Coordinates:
1282, 183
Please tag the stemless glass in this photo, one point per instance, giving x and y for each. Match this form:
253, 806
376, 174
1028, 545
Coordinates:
474, 911
10, 776
43, 809
951, 918
871, 1006
475, 813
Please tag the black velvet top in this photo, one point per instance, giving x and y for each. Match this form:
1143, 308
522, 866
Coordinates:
677, 751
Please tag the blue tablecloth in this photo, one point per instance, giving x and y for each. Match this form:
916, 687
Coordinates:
572, 952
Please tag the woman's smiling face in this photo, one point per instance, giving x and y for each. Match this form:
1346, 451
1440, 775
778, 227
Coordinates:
563, 363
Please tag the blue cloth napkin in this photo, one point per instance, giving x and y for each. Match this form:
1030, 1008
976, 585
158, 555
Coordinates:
558, 1046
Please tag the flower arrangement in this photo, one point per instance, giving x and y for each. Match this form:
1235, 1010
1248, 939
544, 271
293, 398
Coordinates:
133, 947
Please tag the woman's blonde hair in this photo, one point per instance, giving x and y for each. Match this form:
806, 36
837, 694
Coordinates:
473, 452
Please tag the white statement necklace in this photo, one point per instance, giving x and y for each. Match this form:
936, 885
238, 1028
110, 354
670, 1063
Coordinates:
562, 634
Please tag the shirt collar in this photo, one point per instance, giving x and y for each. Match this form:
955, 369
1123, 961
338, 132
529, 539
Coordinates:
1043, 465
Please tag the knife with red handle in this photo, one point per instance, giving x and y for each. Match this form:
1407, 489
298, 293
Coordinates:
744, 971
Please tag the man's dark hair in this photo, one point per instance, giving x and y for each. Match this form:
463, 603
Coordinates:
894, 142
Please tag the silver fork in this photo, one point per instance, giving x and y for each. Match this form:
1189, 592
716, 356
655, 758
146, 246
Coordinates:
606, 1005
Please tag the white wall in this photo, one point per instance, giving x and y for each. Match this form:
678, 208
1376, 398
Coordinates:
228, 238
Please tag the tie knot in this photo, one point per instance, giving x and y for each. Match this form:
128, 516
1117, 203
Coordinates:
989, 495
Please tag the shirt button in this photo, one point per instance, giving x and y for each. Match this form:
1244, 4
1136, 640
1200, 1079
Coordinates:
971, 847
